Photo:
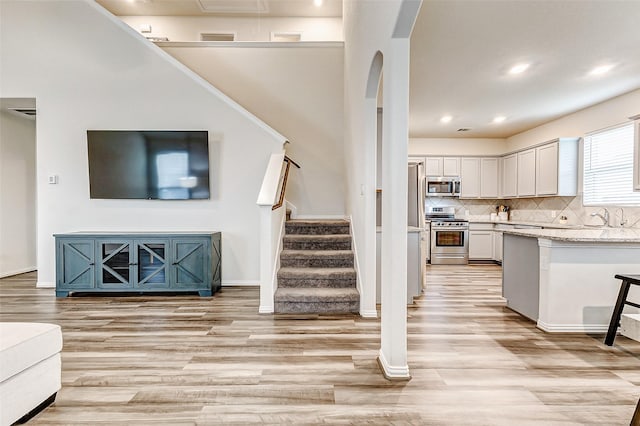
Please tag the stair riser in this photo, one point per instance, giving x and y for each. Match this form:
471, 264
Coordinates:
317, 245
316, 283
293, 229
317, 263
316, 307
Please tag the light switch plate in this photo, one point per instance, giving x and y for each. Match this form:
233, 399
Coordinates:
53, 179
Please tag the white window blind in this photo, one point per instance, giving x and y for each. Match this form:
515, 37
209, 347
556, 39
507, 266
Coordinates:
608, 167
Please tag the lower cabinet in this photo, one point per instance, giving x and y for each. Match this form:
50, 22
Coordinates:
100, 263
481, 245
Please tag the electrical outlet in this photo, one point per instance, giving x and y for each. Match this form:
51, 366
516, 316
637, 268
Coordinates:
554, 213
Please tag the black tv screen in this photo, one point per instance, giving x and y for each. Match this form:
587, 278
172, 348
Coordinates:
148, 164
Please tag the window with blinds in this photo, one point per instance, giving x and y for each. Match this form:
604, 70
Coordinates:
608, 167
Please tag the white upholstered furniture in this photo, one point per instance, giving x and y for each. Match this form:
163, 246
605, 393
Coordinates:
30, 368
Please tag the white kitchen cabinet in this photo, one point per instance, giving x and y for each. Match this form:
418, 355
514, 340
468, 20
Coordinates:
510, 176
451, 166
479, 177
481, 244
470, 178
442, 166
433, 166
489, 177
497, 246
557, 168
527, 173
547, 169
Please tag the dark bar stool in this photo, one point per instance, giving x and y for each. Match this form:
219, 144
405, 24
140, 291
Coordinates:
627, 280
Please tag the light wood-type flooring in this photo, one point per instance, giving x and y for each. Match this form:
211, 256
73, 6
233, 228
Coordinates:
190, 360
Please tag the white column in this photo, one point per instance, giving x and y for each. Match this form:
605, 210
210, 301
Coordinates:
368, 266
266, 261
393, 351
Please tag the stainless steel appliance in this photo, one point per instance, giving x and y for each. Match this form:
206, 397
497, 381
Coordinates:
443, 186
416, 194
449, 237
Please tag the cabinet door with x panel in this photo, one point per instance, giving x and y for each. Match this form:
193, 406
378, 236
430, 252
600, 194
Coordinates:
191, 258
75, 266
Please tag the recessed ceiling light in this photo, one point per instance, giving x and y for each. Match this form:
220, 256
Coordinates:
446, 119
318, 3
499, 119
519, 68
602, 69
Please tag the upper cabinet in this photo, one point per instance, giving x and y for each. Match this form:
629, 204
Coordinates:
527, 173
470, 178
557, 168
442, 166
510, 176
550, 169
479, 177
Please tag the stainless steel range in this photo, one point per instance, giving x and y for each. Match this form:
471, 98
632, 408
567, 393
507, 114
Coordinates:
449, 237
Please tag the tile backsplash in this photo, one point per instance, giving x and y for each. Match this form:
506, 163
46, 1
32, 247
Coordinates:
541, 210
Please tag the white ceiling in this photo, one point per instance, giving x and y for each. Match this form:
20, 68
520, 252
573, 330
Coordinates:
461, 51
270, 8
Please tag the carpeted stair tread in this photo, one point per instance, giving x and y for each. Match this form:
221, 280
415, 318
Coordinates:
316, 222
316, 273
326, 254
317, 295
320, 238
317, 242
317, 227
316, 258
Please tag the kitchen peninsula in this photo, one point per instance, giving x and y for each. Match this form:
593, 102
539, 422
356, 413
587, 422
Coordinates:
564, 278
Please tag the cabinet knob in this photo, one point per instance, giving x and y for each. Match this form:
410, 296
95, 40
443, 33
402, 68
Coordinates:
131, 264
92, 263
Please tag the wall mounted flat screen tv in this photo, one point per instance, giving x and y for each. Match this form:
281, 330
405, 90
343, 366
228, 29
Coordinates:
148, 164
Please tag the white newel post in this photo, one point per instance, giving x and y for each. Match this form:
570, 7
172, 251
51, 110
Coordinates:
270, 231
393, 351
266, 272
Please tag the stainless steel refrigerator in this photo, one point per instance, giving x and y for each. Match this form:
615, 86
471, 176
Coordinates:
416, 193
416, 218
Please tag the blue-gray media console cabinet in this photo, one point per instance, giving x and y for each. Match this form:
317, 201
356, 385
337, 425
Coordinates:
103, 262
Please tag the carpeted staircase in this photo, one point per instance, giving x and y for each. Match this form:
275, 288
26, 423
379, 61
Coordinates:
316, 269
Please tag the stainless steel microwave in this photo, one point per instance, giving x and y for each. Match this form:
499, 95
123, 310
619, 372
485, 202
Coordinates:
443, 186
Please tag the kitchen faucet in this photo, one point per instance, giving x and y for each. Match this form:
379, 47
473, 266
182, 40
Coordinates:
605, 217
623, 221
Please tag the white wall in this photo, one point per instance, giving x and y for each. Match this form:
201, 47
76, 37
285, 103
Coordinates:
609, 113
17, 194
88, 70
457, 146
298, 92
189, 28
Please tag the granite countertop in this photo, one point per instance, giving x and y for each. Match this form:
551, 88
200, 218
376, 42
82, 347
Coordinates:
597, 235
523, 222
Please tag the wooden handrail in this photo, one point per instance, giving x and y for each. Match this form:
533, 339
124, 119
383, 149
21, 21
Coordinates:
289, 162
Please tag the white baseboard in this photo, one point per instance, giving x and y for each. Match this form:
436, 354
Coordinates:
45, 284
369, 314
17, 272
265, 309
240, 283
321, 217
393, 372
573, 328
